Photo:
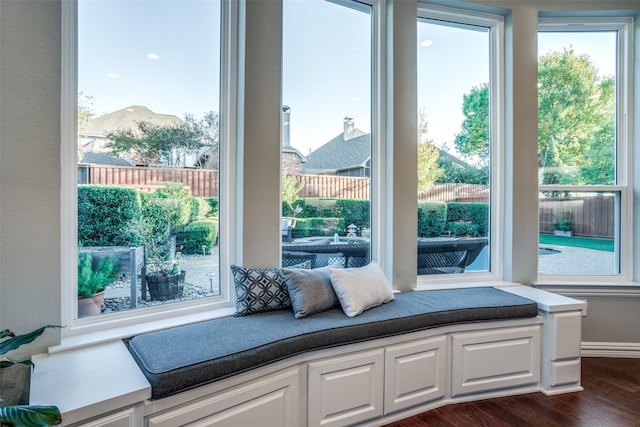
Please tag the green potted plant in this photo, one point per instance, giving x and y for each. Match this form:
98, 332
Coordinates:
92, 282
164, 278
16, 397
562, 225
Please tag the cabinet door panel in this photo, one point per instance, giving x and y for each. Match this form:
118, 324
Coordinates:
273, 401
346, 389
490, 360
415, 373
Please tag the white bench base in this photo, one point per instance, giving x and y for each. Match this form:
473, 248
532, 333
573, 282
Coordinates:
369, 383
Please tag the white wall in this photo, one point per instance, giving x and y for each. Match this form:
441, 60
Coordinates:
30, 166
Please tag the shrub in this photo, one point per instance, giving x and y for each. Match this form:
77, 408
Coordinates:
307, 227
213, 202
462, 228
477, 213
199, 234
199, 208
431, 218
354, 212
107, 216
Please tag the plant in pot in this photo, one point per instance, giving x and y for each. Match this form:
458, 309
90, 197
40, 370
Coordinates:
14, 389
164, 278
93, 281
562, 225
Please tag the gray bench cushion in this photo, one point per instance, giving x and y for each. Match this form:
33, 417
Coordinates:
184, 357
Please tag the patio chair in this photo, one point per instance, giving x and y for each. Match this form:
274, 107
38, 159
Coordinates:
290, 259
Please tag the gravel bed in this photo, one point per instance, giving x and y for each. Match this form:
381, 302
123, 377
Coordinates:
191, 291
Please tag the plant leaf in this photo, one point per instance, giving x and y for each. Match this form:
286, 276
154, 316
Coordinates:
30, 415
7, 333
7, 363
17, 341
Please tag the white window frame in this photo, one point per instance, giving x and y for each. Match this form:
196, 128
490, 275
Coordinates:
624, 160
80, 332
495, 24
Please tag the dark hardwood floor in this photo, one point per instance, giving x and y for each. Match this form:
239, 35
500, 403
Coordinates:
611, 398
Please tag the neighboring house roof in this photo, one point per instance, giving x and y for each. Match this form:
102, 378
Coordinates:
290, 149
339, 154
94, 158
127, 118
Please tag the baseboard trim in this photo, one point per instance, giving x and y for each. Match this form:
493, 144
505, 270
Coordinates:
610, 349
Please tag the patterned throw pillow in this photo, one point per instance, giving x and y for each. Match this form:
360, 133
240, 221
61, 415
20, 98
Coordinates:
261, 289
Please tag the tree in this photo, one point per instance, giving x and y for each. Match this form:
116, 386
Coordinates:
290, 189
576, 121
168, 145
576, 117
473, 139
428, 170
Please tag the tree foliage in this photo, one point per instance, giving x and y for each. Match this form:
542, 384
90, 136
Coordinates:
428, 169
576, 121
168, 145
290, 189
473, 139
576, 116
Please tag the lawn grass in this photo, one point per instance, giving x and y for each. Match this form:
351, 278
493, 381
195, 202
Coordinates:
581, 242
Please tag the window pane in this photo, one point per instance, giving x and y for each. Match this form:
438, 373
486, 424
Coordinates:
577, 233
148, 81
326, 137
454, 154
577, 141
577, 108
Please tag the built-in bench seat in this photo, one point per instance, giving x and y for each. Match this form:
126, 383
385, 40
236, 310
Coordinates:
182, 358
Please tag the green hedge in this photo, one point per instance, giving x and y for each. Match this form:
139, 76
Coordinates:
307, 227
107, 216
200, 209
432, 218
351, 210
213, 202
198, 234
477, 213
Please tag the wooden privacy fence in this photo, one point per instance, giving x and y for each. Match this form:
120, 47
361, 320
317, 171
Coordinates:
204, 183
201, 182
590, 216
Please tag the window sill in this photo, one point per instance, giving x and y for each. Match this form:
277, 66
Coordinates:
105, 331
591, 289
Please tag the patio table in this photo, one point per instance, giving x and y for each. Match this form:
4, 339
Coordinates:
440, 255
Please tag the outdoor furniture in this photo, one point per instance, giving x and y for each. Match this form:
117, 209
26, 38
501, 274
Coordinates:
354, 253
287, 229
448, 255
440, 255
289, 259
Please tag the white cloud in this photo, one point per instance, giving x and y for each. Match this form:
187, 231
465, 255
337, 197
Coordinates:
113, 75
153, 56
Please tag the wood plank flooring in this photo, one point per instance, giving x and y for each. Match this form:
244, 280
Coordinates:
611, 398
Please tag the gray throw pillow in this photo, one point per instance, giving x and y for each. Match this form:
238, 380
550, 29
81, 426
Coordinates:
261, 289
310, 291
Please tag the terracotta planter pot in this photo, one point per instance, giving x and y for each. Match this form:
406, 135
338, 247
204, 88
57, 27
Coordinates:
163, 288
90, 306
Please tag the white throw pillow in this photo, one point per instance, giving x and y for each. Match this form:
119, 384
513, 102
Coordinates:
359, 289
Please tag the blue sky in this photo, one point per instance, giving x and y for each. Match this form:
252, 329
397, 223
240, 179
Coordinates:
163, 54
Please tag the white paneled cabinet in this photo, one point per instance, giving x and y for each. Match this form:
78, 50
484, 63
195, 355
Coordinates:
346, 389
273, 400
415, 373
489, 360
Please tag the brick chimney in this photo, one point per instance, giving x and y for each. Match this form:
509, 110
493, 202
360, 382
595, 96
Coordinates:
286, 127
349, 128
